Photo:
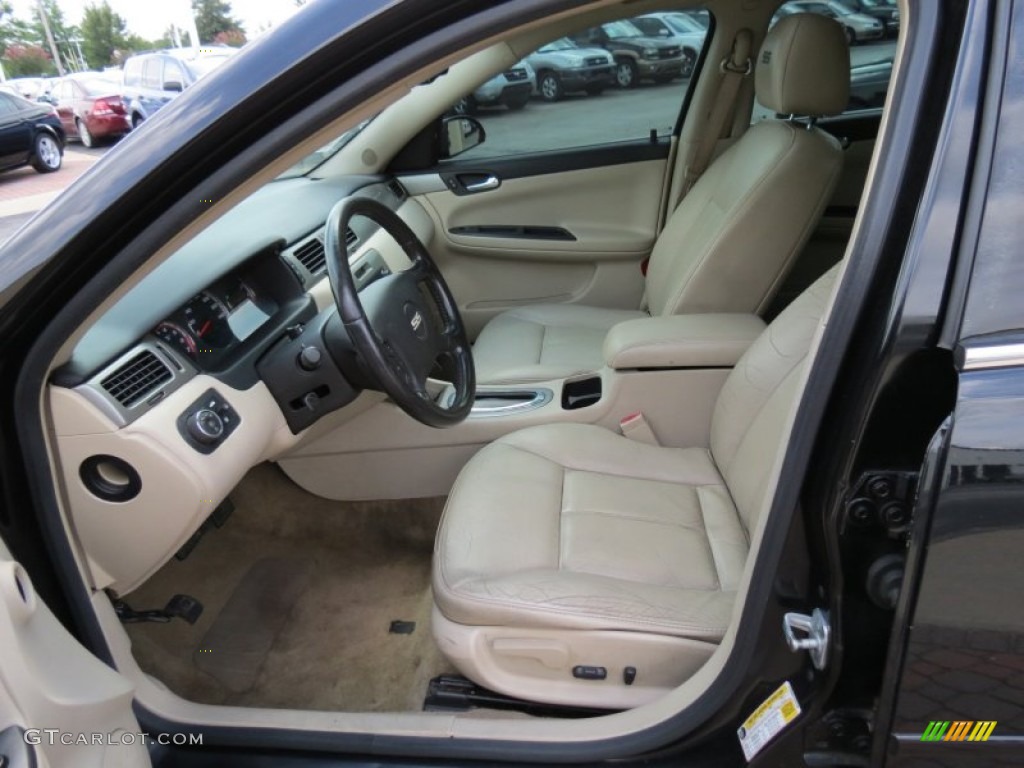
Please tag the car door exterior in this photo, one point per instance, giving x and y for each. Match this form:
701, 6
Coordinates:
66, 94
954, 691
15, 132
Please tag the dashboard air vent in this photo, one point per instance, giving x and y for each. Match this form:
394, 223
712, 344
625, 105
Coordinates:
137, 378
396, 189
351, 238
312, 256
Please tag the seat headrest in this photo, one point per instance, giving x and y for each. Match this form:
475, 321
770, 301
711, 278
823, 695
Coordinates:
804, 67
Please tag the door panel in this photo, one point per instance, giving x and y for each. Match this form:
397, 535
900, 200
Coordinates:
49, 681
573, 236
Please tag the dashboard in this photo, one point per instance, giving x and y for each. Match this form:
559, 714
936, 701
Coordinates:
220, 303
217, 359
214, 323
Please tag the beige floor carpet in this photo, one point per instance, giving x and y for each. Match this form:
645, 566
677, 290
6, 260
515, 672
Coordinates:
357, 567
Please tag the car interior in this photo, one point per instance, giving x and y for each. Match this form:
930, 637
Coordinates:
467, 427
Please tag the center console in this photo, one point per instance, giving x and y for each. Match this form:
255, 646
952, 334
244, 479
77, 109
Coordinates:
669, 368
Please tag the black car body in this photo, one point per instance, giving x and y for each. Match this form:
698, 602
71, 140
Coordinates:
900, 511
637, 56
30, 134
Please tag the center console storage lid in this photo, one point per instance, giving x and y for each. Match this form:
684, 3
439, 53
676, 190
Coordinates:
713, 340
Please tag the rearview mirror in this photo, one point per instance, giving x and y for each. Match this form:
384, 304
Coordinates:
460, 135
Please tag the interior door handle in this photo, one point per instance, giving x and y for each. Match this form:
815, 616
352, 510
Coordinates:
491, 182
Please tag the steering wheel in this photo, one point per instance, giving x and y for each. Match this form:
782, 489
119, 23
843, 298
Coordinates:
404, 325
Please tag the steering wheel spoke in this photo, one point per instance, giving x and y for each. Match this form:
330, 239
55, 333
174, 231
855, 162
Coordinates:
402, 325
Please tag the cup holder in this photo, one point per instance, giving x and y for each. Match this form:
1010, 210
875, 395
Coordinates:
581, 393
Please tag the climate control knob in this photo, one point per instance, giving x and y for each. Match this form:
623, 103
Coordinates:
205, 426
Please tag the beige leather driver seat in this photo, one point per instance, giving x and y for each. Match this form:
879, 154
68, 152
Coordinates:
577, 566
729, 244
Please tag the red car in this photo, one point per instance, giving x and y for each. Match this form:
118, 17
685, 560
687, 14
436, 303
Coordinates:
90, 109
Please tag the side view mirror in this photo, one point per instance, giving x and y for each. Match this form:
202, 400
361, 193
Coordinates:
460, 134
46, 98
173, 85
664, 33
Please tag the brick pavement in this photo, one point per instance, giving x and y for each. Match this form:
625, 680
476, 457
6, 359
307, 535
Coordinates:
25, 190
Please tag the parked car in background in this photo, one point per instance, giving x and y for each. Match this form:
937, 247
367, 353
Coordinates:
512, 89
678, 28
637, 56
886, 11
857, 26
563, 67
30, 134
90, 108
869, 83
153, 79
30, 88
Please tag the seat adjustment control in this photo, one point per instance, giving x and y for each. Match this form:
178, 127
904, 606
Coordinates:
587, 672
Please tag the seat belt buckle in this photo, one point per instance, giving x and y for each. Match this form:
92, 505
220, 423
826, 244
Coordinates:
635, 427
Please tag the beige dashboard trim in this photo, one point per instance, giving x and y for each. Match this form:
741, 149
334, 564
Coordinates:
126, 542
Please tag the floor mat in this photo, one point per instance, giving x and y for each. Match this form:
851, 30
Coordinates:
330, 641
236, 646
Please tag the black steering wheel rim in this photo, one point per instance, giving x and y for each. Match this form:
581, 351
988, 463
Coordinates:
401, 345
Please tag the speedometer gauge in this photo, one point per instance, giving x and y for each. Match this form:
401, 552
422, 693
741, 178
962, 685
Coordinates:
206, 317
177, 337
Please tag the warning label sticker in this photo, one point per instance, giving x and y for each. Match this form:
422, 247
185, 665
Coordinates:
777, 712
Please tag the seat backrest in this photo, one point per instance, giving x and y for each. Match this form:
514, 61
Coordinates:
748, 424
728, 245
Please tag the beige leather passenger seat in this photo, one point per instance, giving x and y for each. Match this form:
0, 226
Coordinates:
576, 566
732, 239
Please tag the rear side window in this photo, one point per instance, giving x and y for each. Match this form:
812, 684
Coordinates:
133, 72
152, 74
173, 73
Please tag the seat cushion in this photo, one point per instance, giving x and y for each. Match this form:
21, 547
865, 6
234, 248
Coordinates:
544, 341
572, 526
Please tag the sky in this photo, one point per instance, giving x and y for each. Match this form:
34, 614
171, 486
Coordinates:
150, 18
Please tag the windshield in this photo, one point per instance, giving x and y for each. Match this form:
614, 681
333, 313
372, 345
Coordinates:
314, 160
98, 87
619, 29
204, 66
840, 10
683, 25
562, 44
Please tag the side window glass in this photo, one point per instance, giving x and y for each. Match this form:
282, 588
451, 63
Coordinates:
871, 28
617, 82
152, 75
173, 73
6, 105
133, 73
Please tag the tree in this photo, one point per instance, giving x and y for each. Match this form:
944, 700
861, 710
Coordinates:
12, 30
27, 61
214, 17
62, 32
103, 35
233, 37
